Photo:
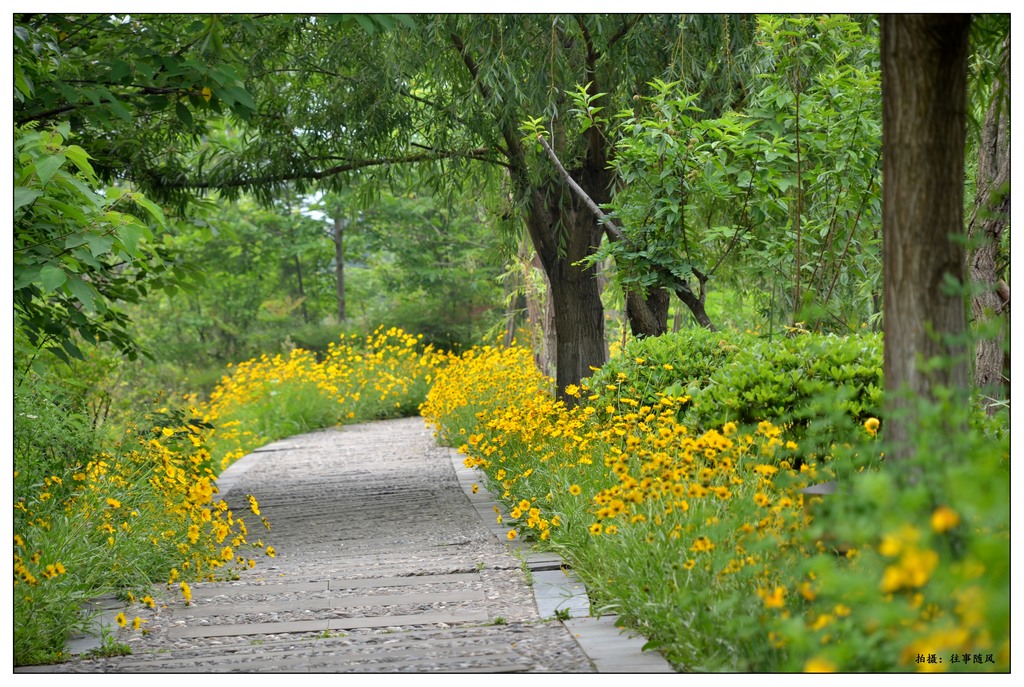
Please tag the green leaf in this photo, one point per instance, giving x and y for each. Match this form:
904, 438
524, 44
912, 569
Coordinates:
85, 293
367, 23
130, 234
23, 276
23, 196
52, 277
119, 109
99, 243
119, 70
47, 165
184, 114
152, 208
80, 158
233, 95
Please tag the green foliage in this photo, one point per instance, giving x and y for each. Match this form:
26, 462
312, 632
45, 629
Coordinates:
927, 576
805, 381
674, 364
79, 252
821, 387
782, 195
700, 543
52, 429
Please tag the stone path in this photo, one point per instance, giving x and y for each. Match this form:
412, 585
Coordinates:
387, 562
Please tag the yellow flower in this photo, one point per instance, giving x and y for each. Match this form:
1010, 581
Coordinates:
596, 528
271, 552
476, 488
121, 620
186, 591
871, 425
944, 518
819, 665
913, 570
702, 544
113, 503
773, 599
575, 490
148, 600
511, 535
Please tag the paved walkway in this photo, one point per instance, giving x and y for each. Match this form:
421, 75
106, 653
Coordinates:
387, 562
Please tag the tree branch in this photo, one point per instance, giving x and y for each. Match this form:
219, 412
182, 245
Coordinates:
612, 230
680, 287
476, 154
624, 30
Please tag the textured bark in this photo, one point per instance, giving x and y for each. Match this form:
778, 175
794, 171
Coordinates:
991, 296
647, 316
563, 233
924, 86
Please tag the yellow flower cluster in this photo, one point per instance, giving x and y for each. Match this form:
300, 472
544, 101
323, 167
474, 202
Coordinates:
151, 500
354, 381
627, 465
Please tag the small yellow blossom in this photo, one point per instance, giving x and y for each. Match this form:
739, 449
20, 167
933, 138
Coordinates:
944, 518
871, 425
775, 598
819, 665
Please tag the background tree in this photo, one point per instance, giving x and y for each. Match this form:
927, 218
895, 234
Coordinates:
742, 199
987, 262
924, 91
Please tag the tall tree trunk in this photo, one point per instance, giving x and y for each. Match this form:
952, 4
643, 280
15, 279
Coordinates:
924, 87
990, 297
563, 233
339, 264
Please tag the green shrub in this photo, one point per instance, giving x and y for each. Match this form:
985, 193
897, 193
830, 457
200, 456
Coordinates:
676, 364
822, 386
